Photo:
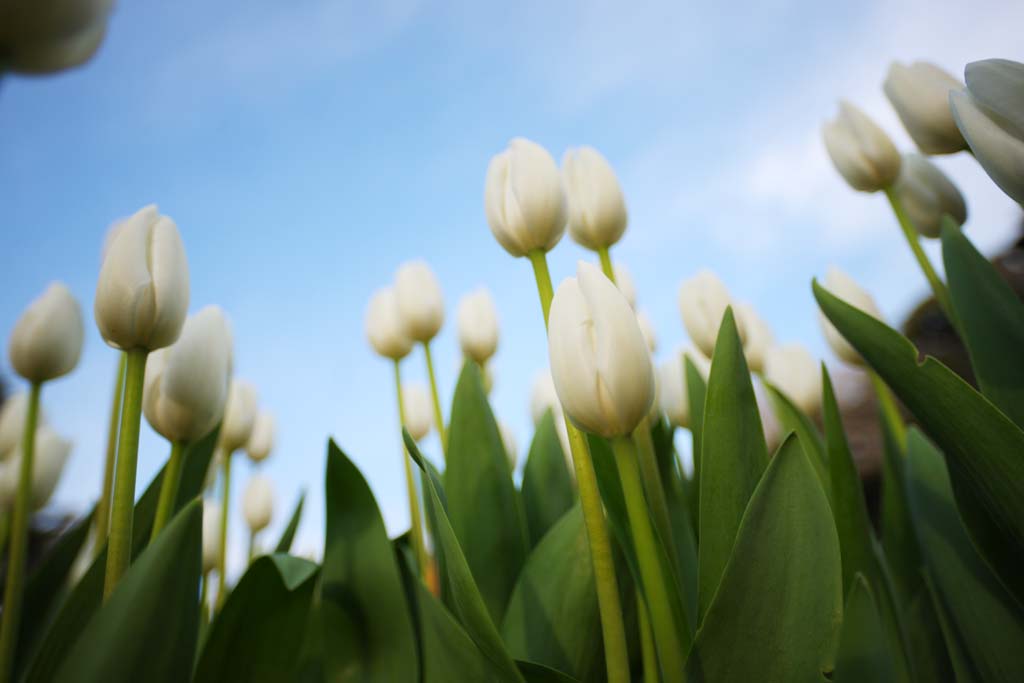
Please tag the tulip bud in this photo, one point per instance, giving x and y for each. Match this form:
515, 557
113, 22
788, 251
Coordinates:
420, 302
211, 535
186, 383
793, 370
846, 288
758, 336
647, 329
508, 440
543, 396
861, 151
478, 325
258, 503
702, 303
597, 209
143, 290
384, 325
47, 339
261, 440
524, 199
990, 114
927, 194
49, 455
417, 406
599, 359
920, 95
12, 423
674, 394
239, 416
44, 37
624, 281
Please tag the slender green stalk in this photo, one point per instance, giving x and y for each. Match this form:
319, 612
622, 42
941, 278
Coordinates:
598, 540
436, 399
653, 486
606, 263
222, 561
252, 546
648, 653
103, 504
169, 489
204, 599
119, 547
13, 594
890, 411
5, 530
652, 577
415, 520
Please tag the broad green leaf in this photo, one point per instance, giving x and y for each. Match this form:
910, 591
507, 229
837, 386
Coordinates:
864, 654
776, 614
288, 536
257, 636
538, 673
696, 391
963, 669
362, 601
146, 630
983, 448
547, 484
898, 537
792, 419
988, 619
552, 617
991, 318
449, 654
483, 504
928, 655
733, 457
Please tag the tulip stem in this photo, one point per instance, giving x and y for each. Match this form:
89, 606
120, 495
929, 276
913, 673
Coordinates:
168, 489
649, 655
222, 560
653, 486
204, 599
890, 411
598, 540
252, 546
415, 521
103, 504
13, 595
606, 263
119, 546
438, 413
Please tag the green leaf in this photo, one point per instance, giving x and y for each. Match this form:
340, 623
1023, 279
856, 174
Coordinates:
146, 631
864, 654
257, 636
547, 485
898, 537
792, 419
927, 648
538, 673
963, 669
777, 611
288, 536
368, 629
982, 447
991, 318
449, 654
733, 457
696, 391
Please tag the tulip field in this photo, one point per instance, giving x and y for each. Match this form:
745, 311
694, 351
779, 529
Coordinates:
607, 560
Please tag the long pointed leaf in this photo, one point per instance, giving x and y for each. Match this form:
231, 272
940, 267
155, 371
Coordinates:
547, 485
288, 535
864, 654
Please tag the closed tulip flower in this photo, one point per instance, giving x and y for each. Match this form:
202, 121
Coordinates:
674, 396
12, 423
508, 440
211, 535
599, 359
758, 336
478, 326
416, 403
702, 303
794, 371
261, 440
846, 288
647, 329
624, 281
143, 290
239, 416
524, 199
861, 151
384, 325
47, 339
927, 194
258, 503
597, 209
420, 302
48, 459
919, 92
44, 37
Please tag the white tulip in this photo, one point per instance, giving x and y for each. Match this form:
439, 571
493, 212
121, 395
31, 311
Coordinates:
420, 301
702, 303
211, 535
543, 397
599, 359
927, 194
919, 93
508, 440
624, 281
44, 37
846, 288
478, 325
258, 503
12, 423
47, 339
186, 383
524, 199
861, 151
758, 336
143, 290
597, 209
419, 418
261, 440
793, 370
674, 396
239, 416
647, 329
49, 455
384, 325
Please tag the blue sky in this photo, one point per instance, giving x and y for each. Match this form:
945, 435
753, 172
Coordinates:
305, 149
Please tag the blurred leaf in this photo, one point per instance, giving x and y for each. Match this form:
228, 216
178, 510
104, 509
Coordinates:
792, 419
991, 320
733, 457
963, 669
777, 612
864, 654
986, 616
696, 390
449, 654
930, 661
258, 634
547, 485
146, 631
368, 630
898, 537
538, 673
288, 536
982, 446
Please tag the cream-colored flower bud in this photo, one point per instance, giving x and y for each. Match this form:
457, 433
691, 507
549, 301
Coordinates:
420, 301
927, 194
543, 396
508, 440
211, 535
861, 151
12, 423
143, 290
674, 395
419, 418
239, 416
919, 92
758, 336
597, 209
794, 371
647, 329
384, 325
258, 503
624, 281
44, 37
47, 339
844, 287
599, 359
261, 440
478, 325
524, 199
49, 456
702, 303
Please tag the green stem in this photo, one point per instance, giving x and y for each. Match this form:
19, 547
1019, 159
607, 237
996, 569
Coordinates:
653, 486
222, 561
204, 598
103, 504
438, 413
598, 540
119, 546
647, 651
13, 594
606, 263
415, 521
890, 411
5, 530
252, 546
652, 576
169, 489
